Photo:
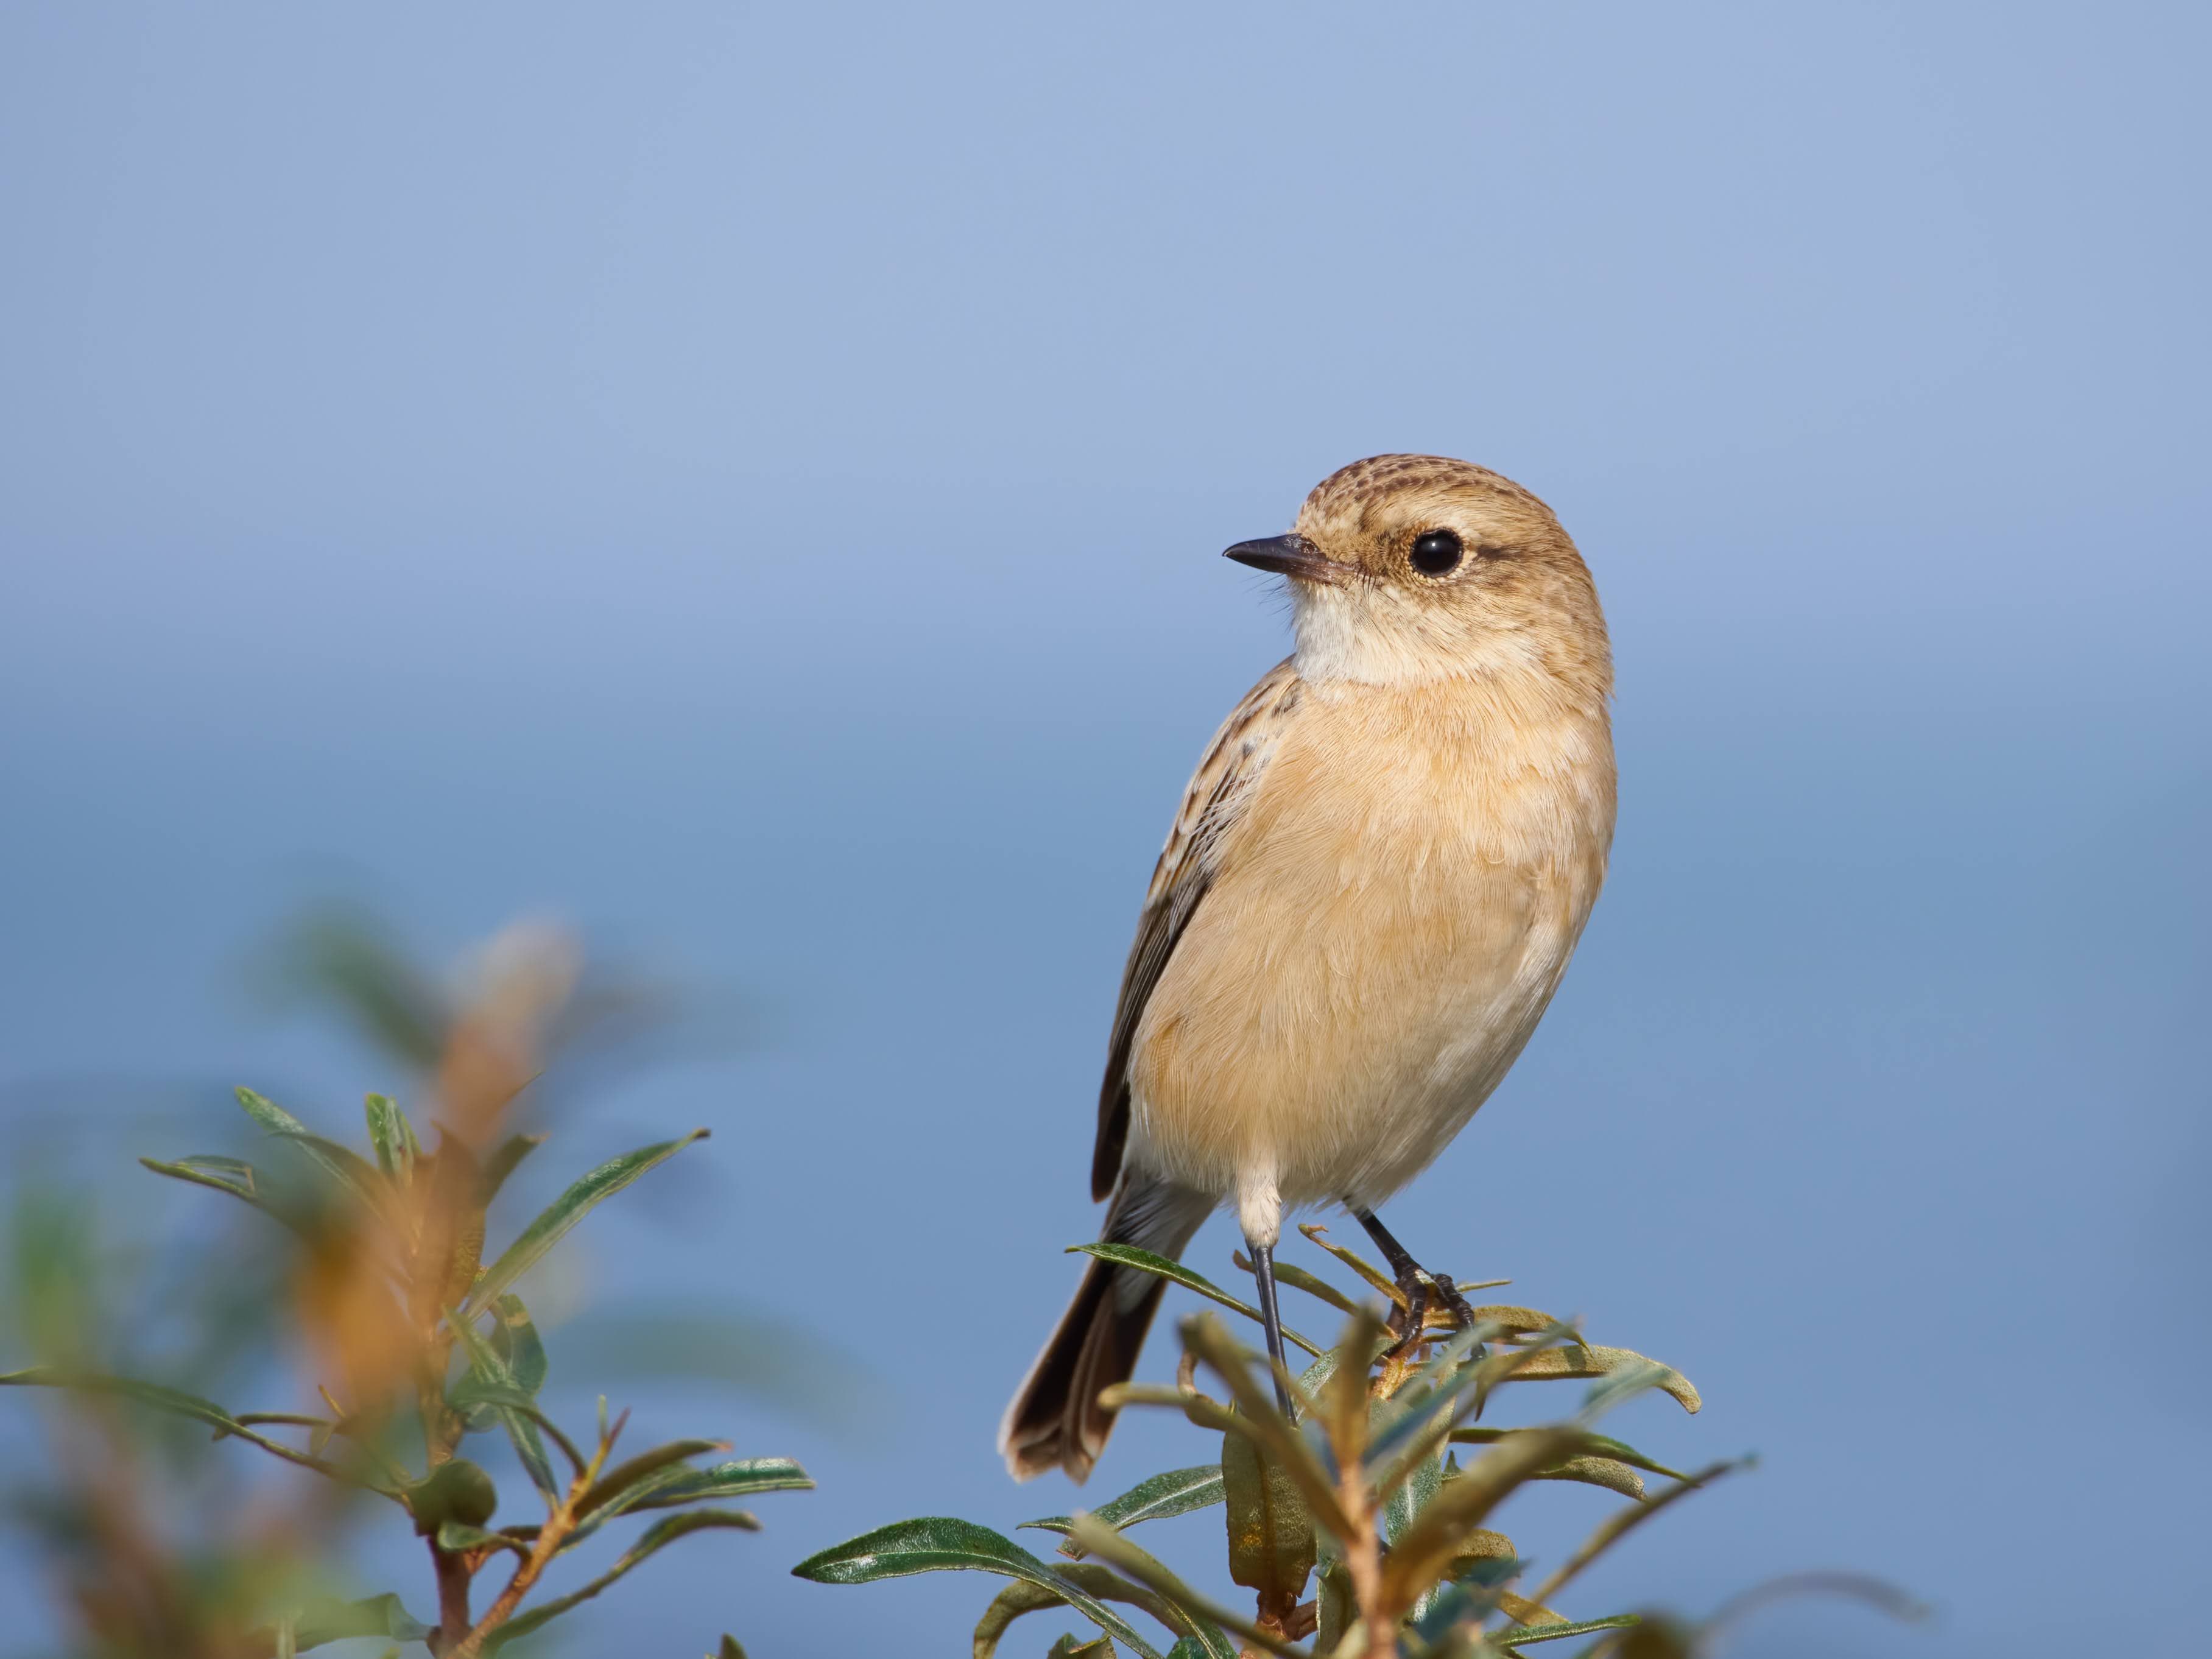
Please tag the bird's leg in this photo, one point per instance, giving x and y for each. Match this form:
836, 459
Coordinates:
1263, 1270
1416, 1283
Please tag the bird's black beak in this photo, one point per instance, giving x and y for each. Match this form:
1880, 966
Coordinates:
1288, 556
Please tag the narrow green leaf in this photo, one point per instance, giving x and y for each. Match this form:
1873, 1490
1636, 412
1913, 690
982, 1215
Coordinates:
1522, 1636
327, 1620
501, 1164
1197, 1639
1272, 1548
226, 1175
1420, 1556
1589, 1360
1178, 1491
1298, 1278
1596, 1472
1256, 1415
473, 1390
1609, 1531
516, 1338
1411, 1496
167, 1399
1068, 1648
353, 1172
565, 1212
487, 1366
1512, 1318
664, 1531
943, 1543
1360, 1264
390, 1139
1128, 1255
332, 1159
1147, 1570
671, 1486
229, 1175
620, 1479
1337, 1607
1602, 1445
739, 1478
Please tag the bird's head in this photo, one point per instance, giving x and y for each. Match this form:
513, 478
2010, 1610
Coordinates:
1407, 568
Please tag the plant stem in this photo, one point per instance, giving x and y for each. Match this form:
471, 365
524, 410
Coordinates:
551, 1536
454, 1577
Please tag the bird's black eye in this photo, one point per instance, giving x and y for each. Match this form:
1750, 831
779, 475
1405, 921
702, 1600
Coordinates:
1437, 552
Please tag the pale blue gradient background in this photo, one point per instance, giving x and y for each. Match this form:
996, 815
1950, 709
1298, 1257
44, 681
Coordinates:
752, 479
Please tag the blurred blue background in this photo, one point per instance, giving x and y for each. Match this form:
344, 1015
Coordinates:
752, 480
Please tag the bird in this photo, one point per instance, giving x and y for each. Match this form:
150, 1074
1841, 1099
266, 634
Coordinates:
1378, 874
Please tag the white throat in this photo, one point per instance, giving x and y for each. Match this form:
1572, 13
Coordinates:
1368, 635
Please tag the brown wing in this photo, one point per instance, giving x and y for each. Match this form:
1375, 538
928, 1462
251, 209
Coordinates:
1219, 793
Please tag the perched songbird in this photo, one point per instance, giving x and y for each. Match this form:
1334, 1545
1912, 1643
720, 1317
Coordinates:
1377, 877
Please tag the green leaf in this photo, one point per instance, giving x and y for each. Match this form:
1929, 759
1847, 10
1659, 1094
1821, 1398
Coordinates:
344, 1166
1596, 1472
1290, 1273
167, 1399
1197, 1639
1128, 1255
941, 1544
625, 1475
1148, 1571
664, 1531
1413, 1495
565, 1212
390, 1137
1462, 1603
729, 1649
1271, 1532
516, 1338
226, 1175
487, 1367
327, 1620
1420, 1557
673, 1486
1610, 1531
501, 1164
1521, 1636
1338, 1608
1602, 1445
1257, 1417
353, 1172
229, 1175
1068, 1648
739, 1478
1178, 1491
1367, 1270
1578, 1360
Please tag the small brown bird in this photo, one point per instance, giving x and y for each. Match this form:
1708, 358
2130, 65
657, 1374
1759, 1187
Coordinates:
1378, 875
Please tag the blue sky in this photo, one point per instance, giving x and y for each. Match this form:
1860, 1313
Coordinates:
750, 480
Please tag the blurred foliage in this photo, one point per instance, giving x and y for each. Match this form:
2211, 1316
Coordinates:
1351, 1519
374, 1266
1359, 1495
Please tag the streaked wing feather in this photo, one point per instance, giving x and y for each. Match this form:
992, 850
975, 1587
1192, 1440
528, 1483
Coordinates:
1220, 791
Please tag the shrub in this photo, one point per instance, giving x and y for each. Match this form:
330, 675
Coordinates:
1361, 1494
420, 1341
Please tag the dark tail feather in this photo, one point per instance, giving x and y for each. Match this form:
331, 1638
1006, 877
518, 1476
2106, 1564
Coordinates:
1055, 1420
